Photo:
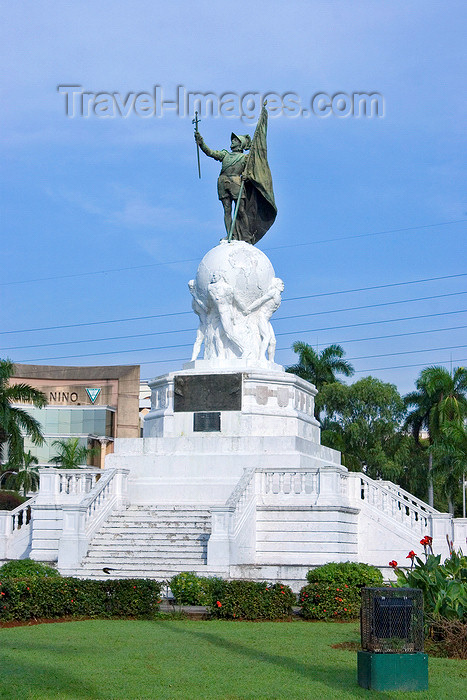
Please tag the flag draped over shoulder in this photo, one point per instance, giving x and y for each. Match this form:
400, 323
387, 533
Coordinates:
260, 206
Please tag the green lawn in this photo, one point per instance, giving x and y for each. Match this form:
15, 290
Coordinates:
188, 659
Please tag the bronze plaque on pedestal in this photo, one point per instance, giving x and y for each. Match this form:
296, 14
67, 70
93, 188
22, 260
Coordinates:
208, 392
207, 422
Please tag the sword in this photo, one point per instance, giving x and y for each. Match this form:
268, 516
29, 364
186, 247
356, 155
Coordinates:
196, 121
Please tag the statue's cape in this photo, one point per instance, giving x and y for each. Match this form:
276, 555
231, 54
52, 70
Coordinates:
261, 208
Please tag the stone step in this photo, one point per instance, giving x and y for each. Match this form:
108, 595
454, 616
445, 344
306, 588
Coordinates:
162, 516
139, 547
144, 525
113, 529
160, 573
146, 562
160, 524
150, 541
154, 540
183, 507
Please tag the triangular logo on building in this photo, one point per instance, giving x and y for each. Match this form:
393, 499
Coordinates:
93, 393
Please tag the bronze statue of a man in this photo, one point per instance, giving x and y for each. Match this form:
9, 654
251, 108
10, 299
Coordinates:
245, 180
230, 180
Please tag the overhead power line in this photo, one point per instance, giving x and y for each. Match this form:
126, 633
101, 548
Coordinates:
190, 330
370, 323
178, 262
359, 371
182, 313
186, 345
419, 364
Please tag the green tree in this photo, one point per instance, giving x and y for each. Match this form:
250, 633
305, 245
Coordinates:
450, 456
25, 474
320, 368
363, 421
439, 401
16, 422
70, 454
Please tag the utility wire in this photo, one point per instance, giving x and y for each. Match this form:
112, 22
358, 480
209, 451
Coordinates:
190, 330
182, 313
370, 323
178, 262
186, 345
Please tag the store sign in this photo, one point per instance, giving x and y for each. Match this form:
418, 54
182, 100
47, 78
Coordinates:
93, 393
76, 395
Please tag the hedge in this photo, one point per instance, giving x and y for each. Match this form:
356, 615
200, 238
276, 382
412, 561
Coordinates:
26, 568
30, 598
329, 601
9, 500
190, 589
249, 600
346, 572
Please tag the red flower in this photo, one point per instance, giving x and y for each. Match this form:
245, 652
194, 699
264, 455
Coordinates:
410, 555
219, 604
345, 609
346, 585
72, 600
393, 564
426, 542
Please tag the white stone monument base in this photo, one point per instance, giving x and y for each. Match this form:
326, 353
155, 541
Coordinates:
274, 428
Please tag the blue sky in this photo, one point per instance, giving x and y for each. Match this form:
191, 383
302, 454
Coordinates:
105, 219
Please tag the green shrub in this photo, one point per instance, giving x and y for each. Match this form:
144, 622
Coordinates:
190, 589
186, 588
29, 598
26, 568
330, 601
249, 600
9, 500
354, 574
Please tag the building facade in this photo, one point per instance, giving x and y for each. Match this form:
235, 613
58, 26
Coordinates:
93, 404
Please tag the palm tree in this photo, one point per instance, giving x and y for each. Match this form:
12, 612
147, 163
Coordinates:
440, 400
320, 368
25, 475
15, 421
71, 455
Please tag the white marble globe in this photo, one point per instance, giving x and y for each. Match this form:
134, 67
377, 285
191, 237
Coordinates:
245, 268
235, 293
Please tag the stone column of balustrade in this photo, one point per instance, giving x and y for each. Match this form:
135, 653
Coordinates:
329, 486
219, 541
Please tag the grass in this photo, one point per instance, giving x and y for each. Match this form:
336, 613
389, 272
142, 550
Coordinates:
171, 659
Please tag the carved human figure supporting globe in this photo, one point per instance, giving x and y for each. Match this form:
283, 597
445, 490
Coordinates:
234, 295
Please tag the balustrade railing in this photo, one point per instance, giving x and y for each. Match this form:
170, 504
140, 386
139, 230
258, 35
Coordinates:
393, 501
105, 489
286, 482
15, 529
82, 519
75, 481
241, 497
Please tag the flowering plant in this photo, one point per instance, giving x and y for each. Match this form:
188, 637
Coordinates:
444, 585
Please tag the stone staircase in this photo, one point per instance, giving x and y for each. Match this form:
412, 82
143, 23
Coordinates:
150, 542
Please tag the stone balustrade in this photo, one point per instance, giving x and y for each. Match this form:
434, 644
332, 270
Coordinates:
70, 507
391, 500
66, 484
15, 530
392, 521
